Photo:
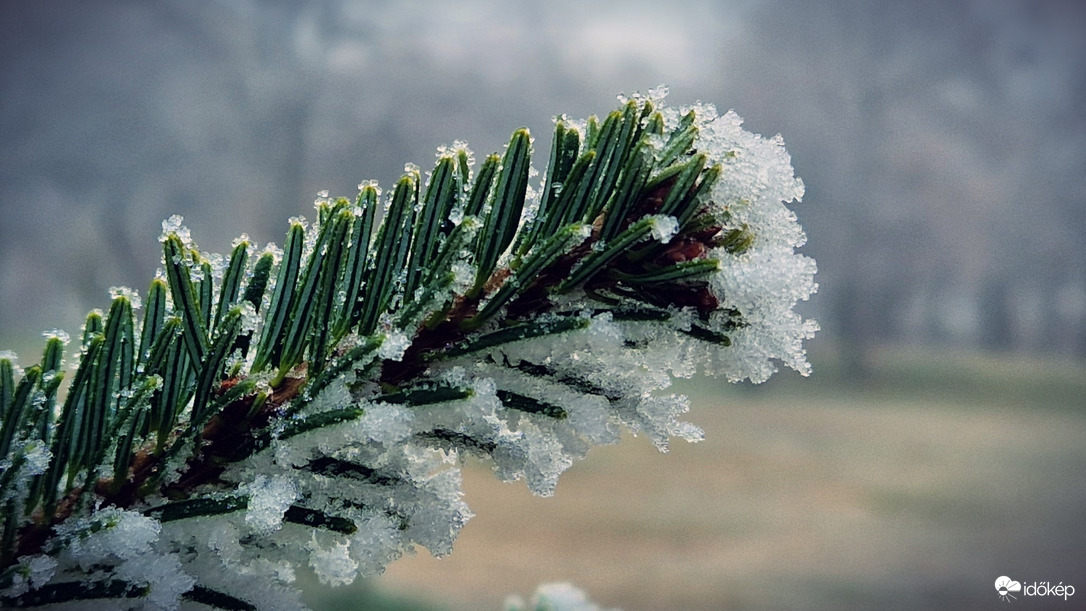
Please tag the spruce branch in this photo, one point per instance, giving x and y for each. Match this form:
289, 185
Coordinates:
295, 406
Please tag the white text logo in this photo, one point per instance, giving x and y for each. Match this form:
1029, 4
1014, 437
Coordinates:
1007, 588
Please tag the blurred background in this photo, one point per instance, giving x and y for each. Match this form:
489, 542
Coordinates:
940, 443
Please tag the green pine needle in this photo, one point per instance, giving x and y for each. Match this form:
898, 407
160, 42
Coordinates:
370, 306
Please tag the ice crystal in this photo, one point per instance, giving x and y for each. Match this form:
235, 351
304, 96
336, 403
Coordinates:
663, 228
396, 342
109, 537
128, 293
333, 565
58, 334
30, 572
174, 226
561, 596
37, 457
269, 499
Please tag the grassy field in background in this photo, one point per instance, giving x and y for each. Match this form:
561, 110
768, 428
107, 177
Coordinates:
914, 489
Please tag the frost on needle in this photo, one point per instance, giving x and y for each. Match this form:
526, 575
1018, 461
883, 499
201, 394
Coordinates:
271, 408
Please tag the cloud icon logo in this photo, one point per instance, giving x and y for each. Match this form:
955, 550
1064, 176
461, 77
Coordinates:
1005, 585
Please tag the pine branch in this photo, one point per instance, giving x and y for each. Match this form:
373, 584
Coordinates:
294, 406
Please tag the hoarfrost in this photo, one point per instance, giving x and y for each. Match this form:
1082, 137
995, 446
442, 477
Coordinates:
130, 294
218, 264
30, 572
385, 423
655, 95
269, 499
254, 581
394, 346
163, 573
109, 535
663, 227
561, 596
250, 319
463, 276
534, 406
458, 147
58, 334
241, 239
41, 569
223, 539
333, 564
10, 356
37, 457
174, 226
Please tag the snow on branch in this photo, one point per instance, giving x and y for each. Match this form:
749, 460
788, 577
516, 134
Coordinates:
270, 409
